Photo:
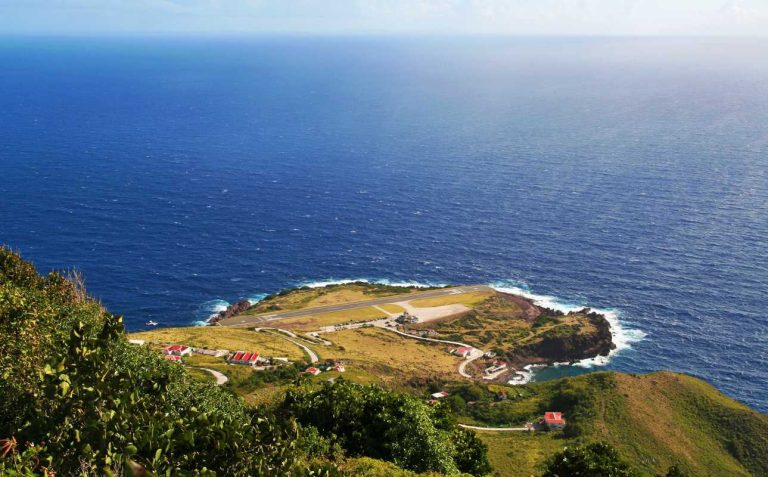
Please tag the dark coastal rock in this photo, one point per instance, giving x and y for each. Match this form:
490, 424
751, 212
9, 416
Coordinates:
567, 348
231, 310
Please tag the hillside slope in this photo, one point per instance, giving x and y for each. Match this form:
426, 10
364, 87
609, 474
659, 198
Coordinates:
655, 421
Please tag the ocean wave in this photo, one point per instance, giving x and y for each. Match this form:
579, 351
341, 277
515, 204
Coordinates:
623, 337
378, 281
526, 375
256, 298
208, 310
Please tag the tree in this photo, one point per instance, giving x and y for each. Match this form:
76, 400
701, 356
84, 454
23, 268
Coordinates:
593, 460
370, 421
471, 453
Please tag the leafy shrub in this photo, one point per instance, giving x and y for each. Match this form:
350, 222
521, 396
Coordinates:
369, 421
577, 398
592, 460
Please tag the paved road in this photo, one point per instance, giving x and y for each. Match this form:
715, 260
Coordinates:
266, 317
476, 428
312, 355
473, 355
281, 333
221, 378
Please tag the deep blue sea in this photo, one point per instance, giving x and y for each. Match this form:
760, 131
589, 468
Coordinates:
627, 174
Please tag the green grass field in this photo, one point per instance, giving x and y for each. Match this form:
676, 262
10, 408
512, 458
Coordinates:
655, 421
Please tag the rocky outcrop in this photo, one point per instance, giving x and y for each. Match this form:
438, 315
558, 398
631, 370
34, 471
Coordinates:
566, 347
231, 310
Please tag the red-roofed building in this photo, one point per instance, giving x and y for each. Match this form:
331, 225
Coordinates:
462, 351
313, 371
553, 421
440, 395
172, 357
177, 350
244, 357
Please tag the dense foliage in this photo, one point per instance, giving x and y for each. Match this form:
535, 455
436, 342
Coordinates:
369, 421
592, 460
76, 399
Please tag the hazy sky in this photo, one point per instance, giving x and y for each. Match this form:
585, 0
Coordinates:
590, 17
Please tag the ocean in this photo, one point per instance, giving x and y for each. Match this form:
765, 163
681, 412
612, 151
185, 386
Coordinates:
626, 174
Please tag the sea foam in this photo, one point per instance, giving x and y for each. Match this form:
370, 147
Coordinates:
622, 336
378, 281
208, 310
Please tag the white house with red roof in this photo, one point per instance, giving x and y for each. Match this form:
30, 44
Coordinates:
177, 350
172, 357
313, 371
553, 421
439, 395
244, 357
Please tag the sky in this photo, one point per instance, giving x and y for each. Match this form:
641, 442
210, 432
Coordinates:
516, 17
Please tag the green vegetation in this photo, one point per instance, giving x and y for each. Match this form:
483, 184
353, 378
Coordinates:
655, 422
593, 460
368, 421
77, 399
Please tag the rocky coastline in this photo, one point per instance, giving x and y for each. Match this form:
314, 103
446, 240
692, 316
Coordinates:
568, 348
230, 311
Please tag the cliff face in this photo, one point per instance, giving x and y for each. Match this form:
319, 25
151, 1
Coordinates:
566, 348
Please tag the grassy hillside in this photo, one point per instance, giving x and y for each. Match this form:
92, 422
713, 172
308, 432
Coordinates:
655, 421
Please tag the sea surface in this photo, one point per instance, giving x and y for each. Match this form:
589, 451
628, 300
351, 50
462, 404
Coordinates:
182, 174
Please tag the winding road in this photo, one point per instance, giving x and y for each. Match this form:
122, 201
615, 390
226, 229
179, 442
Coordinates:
502, 429
221, 378
473, 355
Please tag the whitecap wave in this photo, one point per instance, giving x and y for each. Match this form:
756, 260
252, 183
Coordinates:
378, 281
253, 299
208, 310
622, 336
525, 376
